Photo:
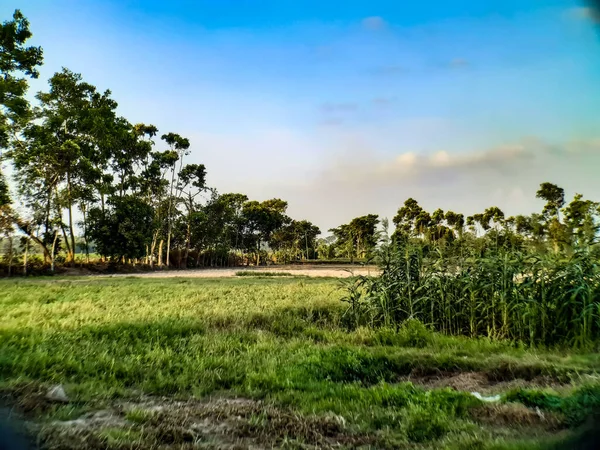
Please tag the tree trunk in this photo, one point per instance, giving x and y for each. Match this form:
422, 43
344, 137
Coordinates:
24, 227
10, 254
169, 214
25, 257
153, 248
168, 245
160, 253
53, 250
188, 238
71, 230
85, 238
64, 231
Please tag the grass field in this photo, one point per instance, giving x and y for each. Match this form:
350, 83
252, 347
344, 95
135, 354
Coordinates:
265, 362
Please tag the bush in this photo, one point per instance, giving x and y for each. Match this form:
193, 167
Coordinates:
576, 408
414, 334
425, 424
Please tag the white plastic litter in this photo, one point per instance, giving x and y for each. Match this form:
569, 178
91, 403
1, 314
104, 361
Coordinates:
57, 394
493, 398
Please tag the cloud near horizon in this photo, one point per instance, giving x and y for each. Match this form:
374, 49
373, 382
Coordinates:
507, 177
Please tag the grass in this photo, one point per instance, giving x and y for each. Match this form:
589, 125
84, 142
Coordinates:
278, 342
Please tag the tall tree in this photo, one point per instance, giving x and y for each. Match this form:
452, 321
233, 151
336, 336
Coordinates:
555, 200
581, 220
554, 197
405, 219
17, 63
178, 147
74, 126
192, 181
262, 219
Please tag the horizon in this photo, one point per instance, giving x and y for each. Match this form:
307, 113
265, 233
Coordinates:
459, 105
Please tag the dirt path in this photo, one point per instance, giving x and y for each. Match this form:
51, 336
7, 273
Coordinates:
296, 270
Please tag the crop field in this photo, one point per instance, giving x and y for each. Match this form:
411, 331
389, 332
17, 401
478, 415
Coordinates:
266, 362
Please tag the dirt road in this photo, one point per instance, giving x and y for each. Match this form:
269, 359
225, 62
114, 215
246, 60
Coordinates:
310, 271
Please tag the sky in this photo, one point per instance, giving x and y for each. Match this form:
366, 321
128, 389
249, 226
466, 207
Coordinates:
346, 108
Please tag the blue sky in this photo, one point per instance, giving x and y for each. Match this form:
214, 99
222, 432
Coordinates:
347, 108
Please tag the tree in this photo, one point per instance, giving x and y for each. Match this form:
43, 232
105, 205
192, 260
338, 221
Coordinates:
326, 248
457, 221
124, 229
581, 220
555, 200
406, 217
64, 149
178, 148
364, 230
16, 61
261, 220
358, 238
192, 181
296, 239
554, 197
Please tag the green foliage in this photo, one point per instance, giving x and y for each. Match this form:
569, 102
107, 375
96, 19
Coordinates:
414, 334
358, 238
505, 293
123, 231
576, 407
15, 59
4, 194
425, 425
138, 415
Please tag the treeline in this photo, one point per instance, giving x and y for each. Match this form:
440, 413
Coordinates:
84, 176
89, 184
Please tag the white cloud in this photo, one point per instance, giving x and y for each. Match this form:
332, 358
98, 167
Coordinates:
333, 174
374, 23
468, 182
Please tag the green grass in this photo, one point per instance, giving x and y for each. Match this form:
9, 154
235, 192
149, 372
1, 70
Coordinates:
279, 340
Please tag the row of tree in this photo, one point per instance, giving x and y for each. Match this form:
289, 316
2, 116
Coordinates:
85, 177
559, 227
81, 168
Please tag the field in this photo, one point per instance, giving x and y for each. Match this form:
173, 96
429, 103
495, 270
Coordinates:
265, 362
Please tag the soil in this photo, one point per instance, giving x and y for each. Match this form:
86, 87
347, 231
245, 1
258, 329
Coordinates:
228, 423
296, 270
162, 422
483, 383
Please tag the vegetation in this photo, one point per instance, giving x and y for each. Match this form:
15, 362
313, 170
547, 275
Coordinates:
527, 279
85, 177
509, 305
279, 347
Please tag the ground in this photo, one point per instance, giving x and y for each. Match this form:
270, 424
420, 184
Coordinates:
265, 362
308, 270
